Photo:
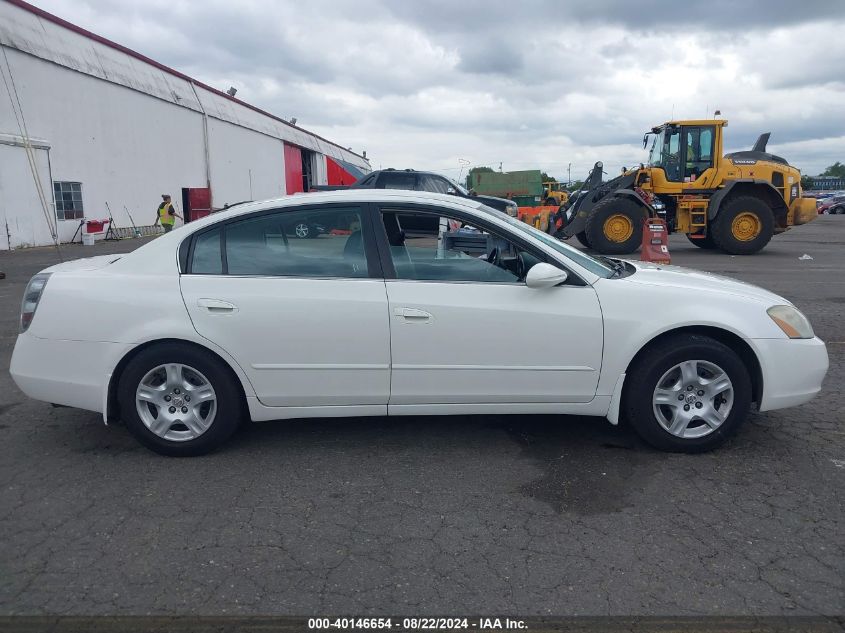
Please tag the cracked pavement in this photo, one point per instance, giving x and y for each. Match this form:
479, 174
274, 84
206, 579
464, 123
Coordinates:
529, 515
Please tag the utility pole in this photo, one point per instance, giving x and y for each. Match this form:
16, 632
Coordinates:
569, 175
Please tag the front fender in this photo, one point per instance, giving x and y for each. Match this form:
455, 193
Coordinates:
636, 314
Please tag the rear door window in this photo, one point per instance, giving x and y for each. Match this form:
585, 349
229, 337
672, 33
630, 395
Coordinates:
325, 242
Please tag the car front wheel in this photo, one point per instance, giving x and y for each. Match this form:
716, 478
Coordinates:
179, 400
687, 394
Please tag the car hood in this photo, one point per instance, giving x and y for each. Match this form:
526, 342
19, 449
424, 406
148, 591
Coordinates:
679, 277
87, 263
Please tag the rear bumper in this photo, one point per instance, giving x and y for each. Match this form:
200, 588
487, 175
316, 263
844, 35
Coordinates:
793, 370
72, 373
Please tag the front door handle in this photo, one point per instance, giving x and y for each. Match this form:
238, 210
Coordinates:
217, 306
412, 314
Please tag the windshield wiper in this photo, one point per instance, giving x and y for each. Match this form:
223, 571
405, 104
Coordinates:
616, 264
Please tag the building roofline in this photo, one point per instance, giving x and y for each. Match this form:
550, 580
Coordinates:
26, 6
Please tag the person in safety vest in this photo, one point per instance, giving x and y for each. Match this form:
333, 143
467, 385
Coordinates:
166, 214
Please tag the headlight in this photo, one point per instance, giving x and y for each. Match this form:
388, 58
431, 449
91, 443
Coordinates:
791, 321
657, 205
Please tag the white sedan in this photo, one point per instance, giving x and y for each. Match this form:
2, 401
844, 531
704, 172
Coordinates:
401, 303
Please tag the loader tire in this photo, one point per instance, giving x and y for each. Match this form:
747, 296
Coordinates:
615, 226
582, 237
705, 242
743, 226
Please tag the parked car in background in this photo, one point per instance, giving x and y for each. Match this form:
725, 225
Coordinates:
833, 205
411, 180
231, 317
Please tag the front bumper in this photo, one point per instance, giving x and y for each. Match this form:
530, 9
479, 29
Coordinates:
793, 370
71, 373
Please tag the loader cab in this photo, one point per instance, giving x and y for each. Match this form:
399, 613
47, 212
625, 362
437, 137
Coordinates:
685, 151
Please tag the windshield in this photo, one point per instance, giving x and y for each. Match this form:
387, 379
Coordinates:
666, 152
654, 152
461, 190
582, 259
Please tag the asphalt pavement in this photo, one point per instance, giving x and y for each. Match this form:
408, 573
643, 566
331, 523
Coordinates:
426, 515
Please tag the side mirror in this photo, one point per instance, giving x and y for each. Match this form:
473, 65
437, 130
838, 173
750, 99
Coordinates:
451, 191
544, 275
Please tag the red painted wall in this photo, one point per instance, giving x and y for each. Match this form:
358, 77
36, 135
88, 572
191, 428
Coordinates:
293, 169
337, 175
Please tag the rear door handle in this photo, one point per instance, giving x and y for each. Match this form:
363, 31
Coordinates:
412, 314
217, 306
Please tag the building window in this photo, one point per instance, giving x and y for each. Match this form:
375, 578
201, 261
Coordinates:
68, 200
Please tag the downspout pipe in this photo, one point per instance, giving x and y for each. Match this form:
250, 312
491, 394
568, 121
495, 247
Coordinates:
205, 146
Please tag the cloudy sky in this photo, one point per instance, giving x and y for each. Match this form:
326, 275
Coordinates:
531, 84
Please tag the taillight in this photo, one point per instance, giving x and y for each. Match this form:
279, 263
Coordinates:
31, 297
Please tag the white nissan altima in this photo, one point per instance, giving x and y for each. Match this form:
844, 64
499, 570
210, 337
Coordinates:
381, 302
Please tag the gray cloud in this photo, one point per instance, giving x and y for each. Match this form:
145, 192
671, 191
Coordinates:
490, 57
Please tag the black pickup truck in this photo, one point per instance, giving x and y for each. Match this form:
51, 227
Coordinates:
420, 181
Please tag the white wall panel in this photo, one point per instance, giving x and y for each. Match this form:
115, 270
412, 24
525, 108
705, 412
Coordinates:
130, 131
320, 174
123, 146
245, 165
22, 221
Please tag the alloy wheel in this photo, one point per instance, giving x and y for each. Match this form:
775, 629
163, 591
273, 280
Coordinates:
176, 402
693, 399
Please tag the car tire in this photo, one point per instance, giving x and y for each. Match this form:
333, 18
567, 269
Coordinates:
839, 210
743, 226
179, 400
582, 237
656, 391
615, 225
705, 242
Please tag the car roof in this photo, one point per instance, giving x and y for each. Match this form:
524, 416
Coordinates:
390, 170
340, 196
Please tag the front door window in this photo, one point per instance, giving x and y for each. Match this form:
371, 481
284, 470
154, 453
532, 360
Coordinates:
428, 247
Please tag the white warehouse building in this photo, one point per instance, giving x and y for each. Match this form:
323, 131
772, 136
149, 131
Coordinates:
85, 122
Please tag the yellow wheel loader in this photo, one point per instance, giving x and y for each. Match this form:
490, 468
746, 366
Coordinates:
554, 194
735, 202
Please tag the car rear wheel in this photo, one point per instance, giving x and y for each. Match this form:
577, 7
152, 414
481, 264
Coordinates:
687, 394
179, 400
